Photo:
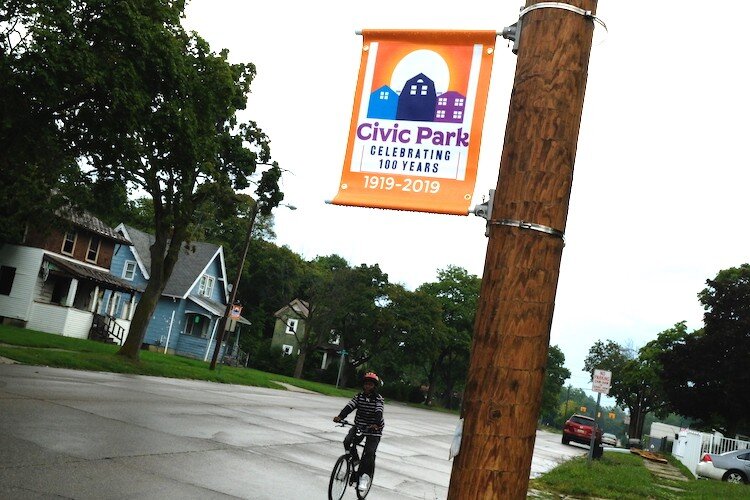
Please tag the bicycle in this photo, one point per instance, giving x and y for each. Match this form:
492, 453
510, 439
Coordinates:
346, 470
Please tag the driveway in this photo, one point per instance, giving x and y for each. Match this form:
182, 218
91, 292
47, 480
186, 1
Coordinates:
81, 435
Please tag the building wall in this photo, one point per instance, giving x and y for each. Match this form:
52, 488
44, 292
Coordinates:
60, 320
158, 328
123, 254
281, 338
26, 261
53, 242
217, 294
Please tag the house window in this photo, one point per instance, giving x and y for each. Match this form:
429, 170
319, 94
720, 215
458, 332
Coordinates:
334, 337
129, 271
291, 326
7, 275
440, 113
69, 243
458, 102
197, 326
206, 286
442, 101
93, 252
384, 94
287, 349
457, 115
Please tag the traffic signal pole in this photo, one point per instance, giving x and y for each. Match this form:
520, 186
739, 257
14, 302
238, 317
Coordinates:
525, 229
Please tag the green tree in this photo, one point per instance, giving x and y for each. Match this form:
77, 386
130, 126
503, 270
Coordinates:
554, 379
635, 382
703, 371
343, 301
458, 293
119, 93
416, 330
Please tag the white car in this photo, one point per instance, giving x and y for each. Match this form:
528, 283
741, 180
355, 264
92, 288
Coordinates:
610, 439
732, 466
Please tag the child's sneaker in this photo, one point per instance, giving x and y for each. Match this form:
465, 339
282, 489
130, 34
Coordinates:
364, 482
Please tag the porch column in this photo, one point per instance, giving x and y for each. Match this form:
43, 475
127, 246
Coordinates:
94, 300
71, 292
325, 357
132, 306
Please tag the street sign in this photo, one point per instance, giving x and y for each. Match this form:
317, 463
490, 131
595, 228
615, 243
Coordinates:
234, 313
602, 381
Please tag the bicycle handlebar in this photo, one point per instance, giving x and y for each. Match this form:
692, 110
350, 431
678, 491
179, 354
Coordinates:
344, 423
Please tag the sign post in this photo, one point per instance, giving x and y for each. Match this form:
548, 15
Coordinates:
600, 384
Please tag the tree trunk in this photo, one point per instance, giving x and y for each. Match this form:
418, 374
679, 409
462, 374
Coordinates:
164, 254
300, 366
141, 316
430, 386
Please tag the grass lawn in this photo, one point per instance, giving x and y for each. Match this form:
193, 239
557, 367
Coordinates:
36, 348
624, 476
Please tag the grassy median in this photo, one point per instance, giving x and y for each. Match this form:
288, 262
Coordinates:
37, 348
625, 476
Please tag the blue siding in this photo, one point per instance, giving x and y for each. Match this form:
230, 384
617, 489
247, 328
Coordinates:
213, 269
158, 326
122, 255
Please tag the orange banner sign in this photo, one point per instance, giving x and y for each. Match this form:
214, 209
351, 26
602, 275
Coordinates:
417, 121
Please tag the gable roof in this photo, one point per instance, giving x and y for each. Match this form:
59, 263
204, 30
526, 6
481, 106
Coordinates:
297, 306
87, 221
191, 263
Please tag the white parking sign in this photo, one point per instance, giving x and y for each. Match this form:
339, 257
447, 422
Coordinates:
602, 381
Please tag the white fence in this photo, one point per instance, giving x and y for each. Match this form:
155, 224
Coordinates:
692, 445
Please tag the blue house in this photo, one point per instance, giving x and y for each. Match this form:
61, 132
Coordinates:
383, 103
418, 99
192, 303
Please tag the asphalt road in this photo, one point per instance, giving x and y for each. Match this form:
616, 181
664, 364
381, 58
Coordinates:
85, 435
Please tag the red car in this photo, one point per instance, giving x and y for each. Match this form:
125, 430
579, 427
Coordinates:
578, 429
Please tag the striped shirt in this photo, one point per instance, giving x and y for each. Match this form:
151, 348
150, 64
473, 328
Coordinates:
369, 412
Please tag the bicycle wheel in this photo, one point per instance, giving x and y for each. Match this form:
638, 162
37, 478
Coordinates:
339, 478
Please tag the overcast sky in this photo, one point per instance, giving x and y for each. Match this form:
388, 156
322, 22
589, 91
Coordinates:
659, 198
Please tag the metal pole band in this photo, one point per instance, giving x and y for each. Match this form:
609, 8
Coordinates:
564, 6
529, 225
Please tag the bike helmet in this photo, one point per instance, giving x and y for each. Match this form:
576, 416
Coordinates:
372, 376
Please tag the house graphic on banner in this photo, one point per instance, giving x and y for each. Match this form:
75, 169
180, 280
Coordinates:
383, 104
450, 107
418, 102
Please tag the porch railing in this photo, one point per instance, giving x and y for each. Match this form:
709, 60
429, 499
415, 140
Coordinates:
105, 328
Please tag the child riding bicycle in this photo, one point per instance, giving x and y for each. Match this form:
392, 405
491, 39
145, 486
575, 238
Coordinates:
369, 420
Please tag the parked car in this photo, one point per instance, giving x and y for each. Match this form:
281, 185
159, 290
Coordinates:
578, 428
731, 466
609, 439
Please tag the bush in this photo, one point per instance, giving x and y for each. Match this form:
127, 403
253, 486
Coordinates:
403, 391
272, 359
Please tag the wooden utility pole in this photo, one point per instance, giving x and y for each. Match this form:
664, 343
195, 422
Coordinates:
511, 333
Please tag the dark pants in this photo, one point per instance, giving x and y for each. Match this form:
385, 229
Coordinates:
368, 456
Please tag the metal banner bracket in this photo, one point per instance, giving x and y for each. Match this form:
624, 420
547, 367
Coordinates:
529, 225
513, 32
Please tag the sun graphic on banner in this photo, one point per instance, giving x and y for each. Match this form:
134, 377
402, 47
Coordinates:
428, 62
